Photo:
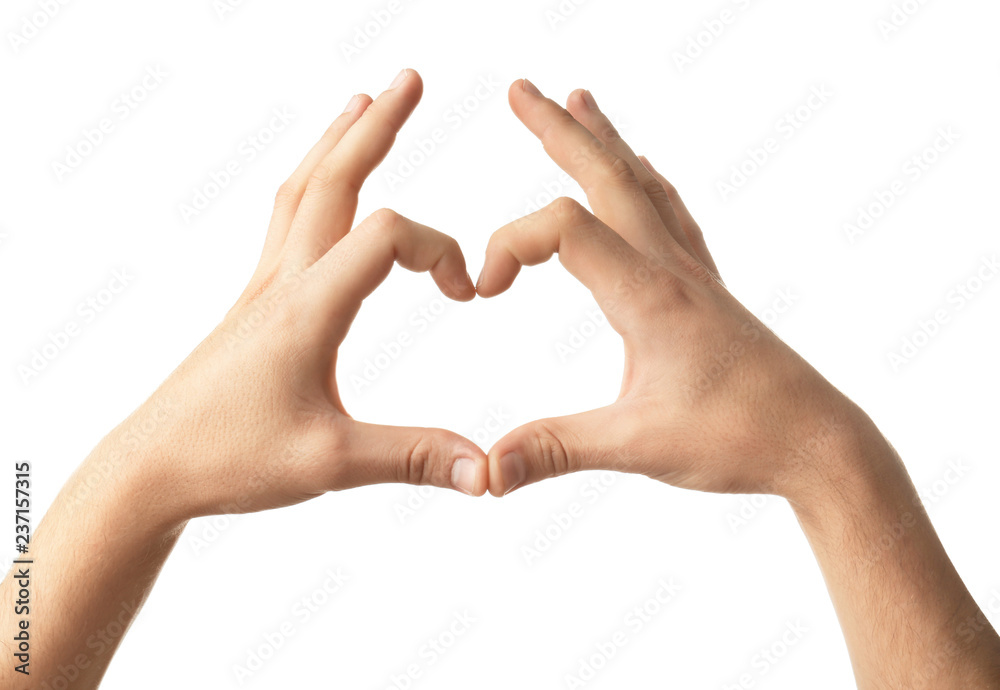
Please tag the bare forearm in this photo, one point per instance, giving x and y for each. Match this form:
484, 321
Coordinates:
96, 555
908, 619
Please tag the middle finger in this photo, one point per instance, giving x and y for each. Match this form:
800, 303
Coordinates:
330, 201
609, 182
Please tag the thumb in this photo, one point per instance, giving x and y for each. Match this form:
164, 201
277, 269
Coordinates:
552, 447
376, 454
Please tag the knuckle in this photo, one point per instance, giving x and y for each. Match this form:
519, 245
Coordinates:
609, 134
448, 243
656, 193
698, 272
674, 296
287, 194
556, 126
619, 171
336, 457
567, 211
416, 469
669, 189
384, 221
323, 178
551, 451
694, 233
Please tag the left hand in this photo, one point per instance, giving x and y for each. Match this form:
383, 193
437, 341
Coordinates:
255, 420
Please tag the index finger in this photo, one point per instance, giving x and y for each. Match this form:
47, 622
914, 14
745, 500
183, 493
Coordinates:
326, 212
610, 183
359, 263
594, 253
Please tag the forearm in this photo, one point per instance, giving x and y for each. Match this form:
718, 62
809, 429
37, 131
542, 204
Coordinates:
96, 555
908, 619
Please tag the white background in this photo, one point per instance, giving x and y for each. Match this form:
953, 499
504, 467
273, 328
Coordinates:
854, 302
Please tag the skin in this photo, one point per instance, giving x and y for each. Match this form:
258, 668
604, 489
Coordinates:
710, 400
251, 420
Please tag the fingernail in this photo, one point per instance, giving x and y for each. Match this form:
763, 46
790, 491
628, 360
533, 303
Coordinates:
513, 472
353, 103
588, 98
530, 88
482, 276
400, 78
463, 475
460, 286
646, 163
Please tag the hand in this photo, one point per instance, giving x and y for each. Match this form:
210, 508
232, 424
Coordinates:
261, 424
711, 399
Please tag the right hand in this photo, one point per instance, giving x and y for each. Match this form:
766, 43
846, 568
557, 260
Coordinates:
711, 399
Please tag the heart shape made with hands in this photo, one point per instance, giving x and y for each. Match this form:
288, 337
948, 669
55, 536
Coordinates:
694, 356
698, 366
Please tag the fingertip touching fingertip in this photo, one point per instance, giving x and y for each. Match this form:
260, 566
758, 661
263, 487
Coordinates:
462, 288
464, 474
512, 471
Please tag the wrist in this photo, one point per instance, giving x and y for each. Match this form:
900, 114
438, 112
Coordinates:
838, 460
127, 471
853, 475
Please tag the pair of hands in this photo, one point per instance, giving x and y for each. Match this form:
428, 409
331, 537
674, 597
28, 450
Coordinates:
710, 398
